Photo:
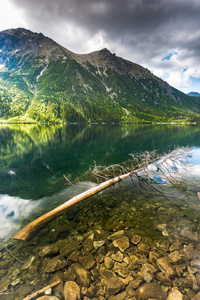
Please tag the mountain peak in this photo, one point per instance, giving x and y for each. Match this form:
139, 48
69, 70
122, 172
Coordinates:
43, 81
105, 51
19, 32
194, 94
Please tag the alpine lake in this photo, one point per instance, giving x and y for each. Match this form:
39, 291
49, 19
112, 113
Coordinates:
139, 239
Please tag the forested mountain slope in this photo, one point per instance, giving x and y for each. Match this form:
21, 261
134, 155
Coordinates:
42, 81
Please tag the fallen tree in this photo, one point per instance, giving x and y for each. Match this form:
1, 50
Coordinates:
117, 173
29, 231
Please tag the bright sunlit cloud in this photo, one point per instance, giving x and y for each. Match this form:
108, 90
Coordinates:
10, 16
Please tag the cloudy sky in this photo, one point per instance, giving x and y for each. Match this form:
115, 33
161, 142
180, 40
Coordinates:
161, 35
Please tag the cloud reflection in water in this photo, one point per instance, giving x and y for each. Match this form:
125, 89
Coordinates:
11, 211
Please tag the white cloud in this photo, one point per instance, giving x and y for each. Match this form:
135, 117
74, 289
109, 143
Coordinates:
98, 41
179, 70
10, 16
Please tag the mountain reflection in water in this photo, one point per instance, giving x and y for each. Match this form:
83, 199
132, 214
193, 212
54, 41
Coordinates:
34, 158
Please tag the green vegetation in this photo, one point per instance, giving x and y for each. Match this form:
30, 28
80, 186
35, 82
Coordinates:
42, 82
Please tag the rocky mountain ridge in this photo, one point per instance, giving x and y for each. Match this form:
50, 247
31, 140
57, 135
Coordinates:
45, 82
194, 94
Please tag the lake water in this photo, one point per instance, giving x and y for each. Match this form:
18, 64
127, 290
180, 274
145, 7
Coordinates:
35, 159
147, 226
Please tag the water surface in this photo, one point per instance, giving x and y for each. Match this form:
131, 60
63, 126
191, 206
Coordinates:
35, 159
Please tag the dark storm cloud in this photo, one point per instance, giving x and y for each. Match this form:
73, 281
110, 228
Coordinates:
129, 21
144, 31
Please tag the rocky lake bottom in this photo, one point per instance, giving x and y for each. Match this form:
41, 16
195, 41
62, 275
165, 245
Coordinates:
128, 242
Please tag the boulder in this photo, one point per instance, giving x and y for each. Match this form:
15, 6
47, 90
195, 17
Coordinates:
144, 248
136, 239
135, 283
122, 244
175, 246
165, 266
164, 279
83, 276
88, 243
98, 244
174, 256
107, 274
190, 235
87, 261
149, 268
117, 256
175, 295
55, 264
150, 291
108, 262
67, 246
189, 252
116, 235
121, 270
49, 250
72, 291
114, 285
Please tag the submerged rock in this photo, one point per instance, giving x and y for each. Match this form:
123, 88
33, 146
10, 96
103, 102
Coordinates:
108, 262
188, 234
67, 246
175, 295
55, 264
49, 250
116, 235
72, 291
150, 291
114, 285
82, 274
144, 248
122, 243
87, 261
136, 239
165, 266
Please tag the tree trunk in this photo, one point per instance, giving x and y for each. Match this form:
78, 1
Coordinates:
31, 229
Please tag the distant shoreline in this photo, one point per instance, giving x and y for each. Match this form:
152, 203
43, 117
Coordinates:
100, 123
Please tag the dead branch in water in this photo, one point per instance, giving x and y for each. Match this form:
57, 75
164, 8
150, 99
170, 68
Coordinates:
110, 175
165, 166
42, 290
138, 162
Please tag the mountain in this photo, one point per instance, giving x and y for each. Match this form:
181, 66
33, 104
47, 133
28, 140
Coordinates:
42, 81
194, 94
